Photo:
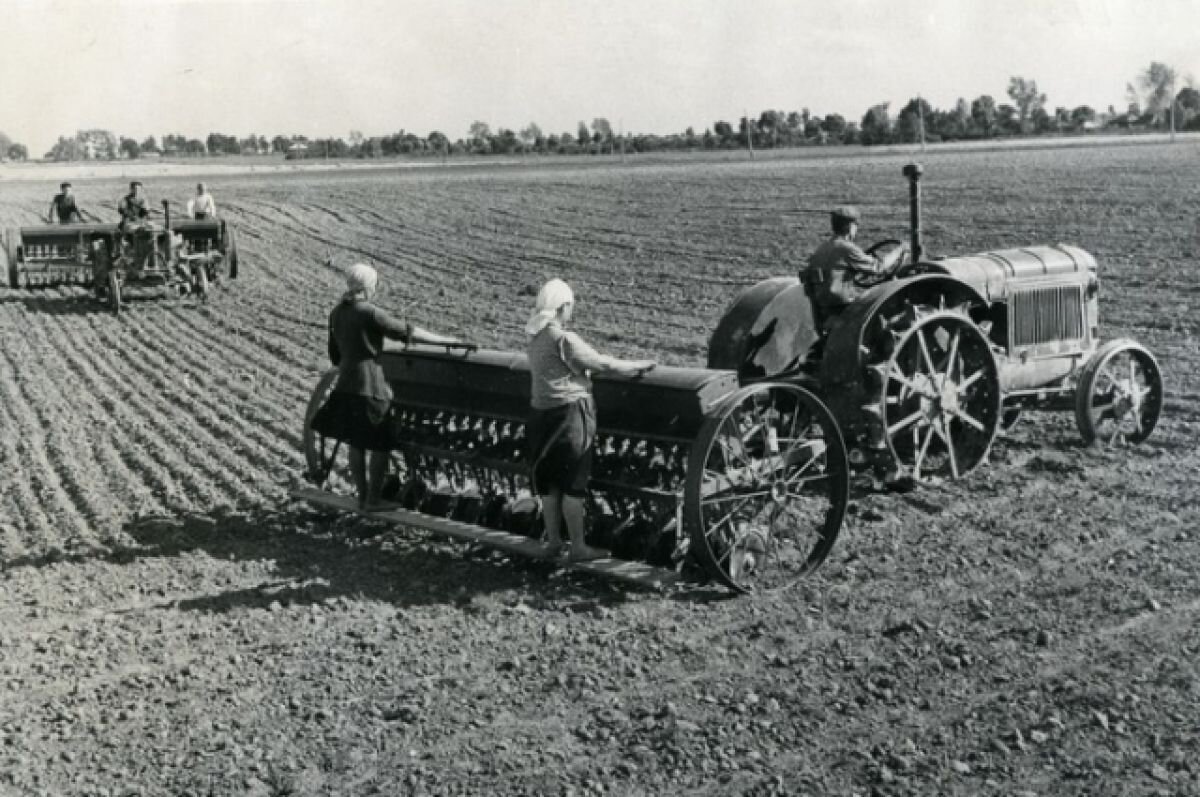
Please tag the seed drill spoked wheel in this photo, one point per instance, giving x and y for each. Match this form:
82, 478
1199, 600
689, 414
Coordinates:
939, 405
767, 487
327, 460
1119, 395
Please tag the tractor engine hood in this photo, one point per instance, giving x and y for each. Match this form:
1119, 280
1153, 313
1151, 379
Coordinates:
996, 275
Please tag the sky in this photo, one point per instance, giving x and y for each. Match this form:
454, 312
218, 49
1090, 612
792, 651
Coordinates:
327, 67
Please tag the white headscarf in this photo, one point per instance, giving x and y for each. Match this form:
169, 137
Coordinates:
361, 278
553, 295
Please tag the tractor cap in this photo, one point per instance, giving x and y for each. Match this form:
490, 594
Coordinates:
135, 183
846, 212
64, 185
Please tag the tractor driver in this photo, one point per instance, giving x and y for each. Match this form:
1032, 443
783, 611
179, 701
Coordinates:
839, 271
132, 206
63, 207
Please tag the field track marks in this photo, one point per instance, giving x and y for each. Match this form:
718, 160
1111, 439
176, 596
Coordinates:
43, 448
30, 518
212, 392
132, 449
206, 459
86, 422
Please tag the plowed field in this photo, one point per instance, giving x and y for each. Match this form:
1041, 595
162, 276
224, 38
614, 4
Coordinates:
171, 624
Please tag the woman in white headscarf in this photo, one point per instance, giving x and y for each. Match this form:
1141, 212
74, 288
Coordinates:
562, 421
357, 411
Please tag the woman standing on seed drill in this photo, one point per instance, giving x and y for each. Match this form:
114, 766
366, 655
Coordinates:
358, 410
562, 422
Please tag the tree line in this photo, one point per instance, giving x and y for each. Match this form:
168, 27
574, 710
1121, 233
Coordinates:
1152, 104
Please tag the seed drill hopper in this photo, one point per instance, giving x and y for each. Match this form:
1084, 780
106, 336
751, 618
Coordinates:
750, 483
66, 254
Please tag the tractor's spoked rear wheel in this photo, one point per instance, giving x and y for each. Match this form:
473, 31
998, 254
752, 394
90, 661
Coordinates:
940, 404
767, 487
1120, 394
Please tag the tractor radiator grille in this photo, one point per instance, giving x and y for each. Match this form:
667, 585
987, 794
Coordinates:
1043, 315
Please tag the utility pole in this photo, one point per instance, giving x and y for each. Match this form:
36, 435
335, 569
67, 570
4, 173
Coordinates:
749, 133
1172, 108
921, 119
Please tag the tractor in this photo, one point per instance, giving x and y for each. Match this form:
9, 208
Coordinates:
924, 369
186, 256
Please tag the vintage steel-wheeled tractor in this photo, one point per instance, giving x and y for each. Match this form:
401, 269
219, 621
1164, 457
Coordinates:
188, 254
925, 368
751, 482
185, 256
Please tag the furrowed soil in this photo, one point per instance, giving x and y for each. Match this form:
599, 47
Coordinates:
172, 624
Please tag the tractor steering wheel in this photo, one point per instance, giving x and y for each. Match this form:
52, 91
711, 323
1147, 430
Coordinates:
882, 250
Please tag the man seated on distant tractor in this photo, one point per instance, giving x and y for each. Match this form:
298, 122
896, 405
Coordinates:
63, 207
132, 207
202, 205
839, 271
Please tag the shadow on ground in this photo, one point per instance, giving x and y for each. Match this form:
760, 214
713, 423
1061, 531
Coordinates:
316, 555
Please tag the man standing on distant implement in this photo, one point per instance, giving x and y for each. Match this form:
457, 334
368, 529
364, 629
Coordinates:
839, 271
63, 207
202, 205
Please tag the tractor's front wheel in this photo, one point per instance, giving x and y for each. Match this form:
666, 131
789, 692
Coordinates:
1120, 394
940, 404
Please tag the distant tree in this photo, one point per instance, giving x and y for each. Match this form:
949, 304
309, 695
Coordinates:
149, 145
876, 127
983, 115
1026, 98
439, 142
724, 132
194, 146
5, 141
530, 135
582, 136
708, 140
1188, 103
17, 152
279, 144
911, 118
1008, 119
1157, 83
480, 134
602, 132
690, 140
1081, 115
1041, 120
834, 126
129, 148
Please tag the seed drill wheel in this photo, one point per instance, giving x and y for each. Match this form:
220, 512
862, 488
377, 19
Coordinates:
767, 487
230, 249
327, 462
939, 405
200, 281
114, 291
1120, 394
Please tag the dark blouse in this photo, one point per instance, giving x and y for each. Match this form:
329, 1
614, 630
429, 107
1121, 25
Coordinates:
356, 332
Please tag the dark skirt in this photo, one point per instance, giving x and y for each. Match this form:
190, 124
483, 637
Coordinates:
560, 444
362, 422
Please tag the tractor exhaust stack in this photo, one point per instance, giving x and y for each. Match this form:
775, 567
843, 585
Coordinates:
913, 172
